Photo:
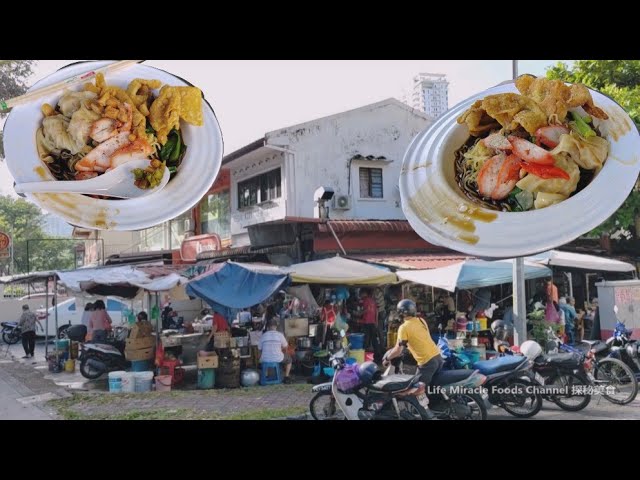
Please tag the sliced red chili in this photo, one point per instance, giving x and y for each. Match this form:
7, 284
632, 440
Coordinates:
544, 171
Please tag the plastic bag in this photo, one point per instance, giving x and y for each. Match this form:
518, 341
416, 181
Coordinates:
551, 314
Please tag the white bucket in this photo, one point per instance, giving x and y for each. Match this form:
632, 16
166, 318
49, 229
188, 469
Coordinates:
143, 381
115, 381
128, 382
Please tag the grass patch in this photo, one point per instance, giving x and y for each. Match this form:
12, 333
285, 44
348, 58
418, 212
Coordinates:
142, 406
268, 414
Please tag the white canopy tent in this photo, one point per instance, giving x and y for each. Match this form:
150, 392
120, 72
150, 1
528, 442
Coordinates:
472, 274
87, 278
580, 261
340, 271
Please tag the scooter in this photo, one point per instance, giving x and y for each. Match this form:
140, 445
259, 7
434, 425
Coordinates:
394, 397
11, 332
99, 358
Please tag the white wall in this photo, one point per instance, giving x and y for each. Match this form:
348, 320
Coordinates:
322, 151
318, 154
243, 169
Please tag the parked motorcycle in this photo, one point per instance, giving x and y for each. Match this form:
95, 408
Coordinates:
509, 380
11, 332
560, 378
610, 376
99, 358
359, 393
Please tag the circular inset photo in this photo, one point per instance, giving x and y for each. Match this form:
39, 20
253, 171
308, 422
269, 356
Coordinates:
521, 168
128, 115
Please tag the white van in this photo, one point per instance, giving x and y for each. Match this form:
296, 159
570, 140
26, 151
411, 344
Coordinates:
70, 313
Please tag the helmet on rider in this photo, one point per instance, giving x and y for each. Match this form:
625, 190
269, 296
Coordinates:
407, 307
531, 349
368, 372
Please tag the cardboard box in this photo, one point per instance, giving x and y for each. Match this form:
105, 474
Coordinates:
208, 362
221, 340
140, 343
141, 354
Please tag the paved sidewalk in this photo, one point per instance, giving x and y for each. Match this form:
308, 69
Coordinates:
23, 395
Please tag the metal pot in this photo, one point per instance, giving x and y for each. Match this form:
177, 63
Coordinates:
304, 342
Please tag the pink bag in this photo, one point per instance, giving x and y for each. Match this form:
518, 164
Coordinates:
348, 379
551, 314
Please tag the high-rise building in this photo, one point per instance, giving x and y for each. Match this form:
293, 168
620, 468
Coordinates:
430, 94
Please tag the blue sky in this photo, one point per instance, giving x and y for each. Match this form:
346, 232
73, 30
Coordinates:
253, 97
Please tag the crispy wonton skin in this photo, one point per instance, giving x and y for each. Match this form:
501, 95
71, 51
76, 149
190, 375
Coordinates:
556, 98
191, 105
164, 114
509, 109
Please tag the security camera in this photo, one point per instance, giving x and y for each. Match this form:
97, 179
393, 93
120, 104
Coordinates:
323, 193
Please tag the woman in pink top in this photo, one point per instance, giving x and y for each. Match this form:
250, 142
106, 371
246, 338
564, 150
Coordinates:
100, 322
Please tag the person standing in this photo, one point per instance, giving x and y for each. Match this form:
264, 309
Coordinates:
100, 322
481, 301
570, 314
86, 316
369, 322
27, 324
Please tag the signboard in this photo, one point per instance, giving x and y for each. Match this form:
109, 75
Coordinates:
5, 244
192, 246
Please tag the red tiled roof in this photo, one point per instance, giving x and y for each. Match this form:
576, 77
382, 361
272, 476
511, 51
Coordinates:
403, 261
346, 226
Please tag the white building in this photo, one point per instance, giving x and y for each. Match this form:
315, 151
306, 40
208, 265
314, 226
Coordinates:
430, 94
357, 153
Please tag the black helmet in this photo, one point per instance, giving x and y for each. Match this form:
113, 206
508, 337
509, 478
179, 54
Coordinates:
368, 373
407, 307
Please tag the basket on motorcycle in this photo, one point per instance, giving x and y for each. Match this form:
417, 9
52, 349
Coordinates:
347, 379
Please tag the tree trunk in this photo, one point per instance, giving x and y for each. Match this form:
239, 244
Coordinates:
605, 242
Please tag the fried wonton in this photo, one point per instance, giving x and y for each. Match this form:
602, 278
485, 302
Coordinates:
173, 104
509, 110
164, 113
556, 98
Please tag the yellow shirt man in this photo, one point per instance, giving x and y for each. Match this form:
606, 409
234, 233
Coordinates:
414, 331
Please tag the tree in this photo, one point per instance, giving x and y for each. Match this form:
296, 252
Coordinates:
22, 221
619, 79
13, 82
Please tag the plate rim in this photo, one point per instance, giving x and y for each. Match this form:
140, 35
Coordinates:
217, 139
483, 249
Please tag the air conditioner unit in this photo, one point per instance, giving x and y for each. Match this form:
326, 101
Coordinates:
342, 202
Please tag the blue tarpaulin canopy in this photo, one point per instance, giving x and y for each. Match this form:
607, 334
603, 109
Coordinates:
472, 274
234, 285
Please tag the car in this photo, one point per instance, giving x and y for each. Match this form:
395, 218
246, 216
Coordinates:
70, 313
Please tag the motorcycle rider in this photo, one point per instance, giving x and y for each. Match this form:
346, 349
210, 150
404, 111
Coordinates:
414, 334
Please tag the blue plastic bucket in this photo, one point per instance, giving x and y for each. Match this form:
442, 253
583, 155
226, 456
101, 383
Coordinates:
206, 378
351, 361
357, 341
140, 365
115, 381
328, 371
62, 345
143, 381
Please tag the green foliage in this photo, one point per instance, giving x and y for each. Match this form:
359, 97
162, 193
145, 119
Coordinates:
620, 80
22, 221
13, 82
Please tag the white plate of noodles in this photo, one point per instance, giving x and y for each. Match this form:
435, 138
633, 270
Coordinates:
86, 130
544, 178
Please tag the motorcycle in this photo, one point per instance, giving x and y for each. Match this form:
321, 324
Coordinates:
11, 332
509, 380
608, 373
393, 397
99, 358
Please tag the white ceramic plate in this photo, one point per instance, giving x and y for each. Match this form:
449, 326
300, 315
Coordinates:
435, 206
197, 172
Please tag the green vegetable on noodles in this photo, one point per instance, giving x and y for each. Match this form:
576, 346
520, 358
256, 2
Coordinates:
581, 126
175, 155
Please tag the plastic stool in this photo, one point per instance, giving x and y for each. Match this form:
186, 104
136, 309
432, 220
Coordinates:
172, 367
265, 379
